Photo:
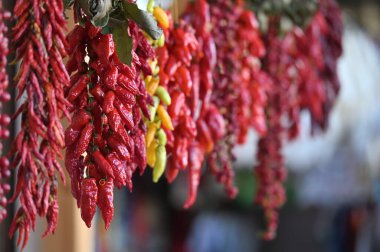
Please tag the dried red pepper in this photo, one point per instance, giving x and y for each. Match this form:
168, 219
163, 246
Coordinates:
108, 99
39, 42
5, 120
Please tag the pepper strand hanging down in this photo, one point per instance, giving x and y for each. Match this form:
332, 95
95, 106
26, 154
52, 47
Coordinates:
238, 45
156, 137
318, 49
39, 41
106, 138
5, 172
179, 60
271, 172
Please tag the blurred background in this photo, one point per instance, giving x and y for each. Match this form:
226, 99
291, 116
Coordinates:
333, 189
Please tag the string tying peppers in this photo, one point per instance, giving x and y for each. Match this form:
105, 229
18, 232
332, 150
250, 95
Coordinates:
39, 41
5, 120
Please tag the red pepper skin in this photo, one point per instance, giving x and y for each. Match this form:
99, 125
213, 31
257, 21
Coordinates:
140, 151
71, 136
125, 97
108, 102
196, 156
114, 120
89, 198
128, 84
183, 79
118, 170
187, 127
216, 124
125, 114
120, 149
78, 88
171, 66
103, 164
98, 92
204, 136
104, 47
105, 201
162, 55
85, 138
75, 37
181, 154
80, 119
109, 78
178, 101
171, 171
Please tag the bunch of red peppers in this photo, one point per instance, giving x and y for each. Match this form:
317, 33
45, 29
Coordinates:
178, 106
106, 137
5, 173
39, 42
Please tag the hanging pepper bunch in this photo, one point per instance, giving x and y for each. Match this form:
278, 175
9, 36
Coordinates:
159, 121
39, 41
270, 171
238, 46
196, 122
317, 50
5, 173
106, 138
299, 78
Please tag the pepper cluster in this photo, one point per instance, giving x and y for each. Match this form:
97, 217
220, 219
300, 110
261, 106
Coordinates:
41, 78
236, 94
299, 78
5, 173
106, 138
160, 122
319, 45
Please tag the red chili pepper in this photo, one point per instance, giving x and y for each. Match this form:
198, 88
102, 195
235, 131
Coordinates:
125, 97
183, 79
109, 77
120, 149
71, 136
103, 164
85, 138
196, 155
104, 47
105, 201
108, 102
89, 198
178, 101
128, 83
114, 120
80, 119
118, 170
125, 114
78, 88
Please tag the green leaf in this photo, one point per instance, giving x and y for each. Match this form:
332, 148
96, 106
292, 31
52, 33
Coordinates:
123, 43
101, 22
144, 19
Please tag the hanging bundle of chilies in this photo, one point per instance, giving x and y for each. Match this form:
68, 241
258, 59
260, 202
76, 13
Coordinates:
187, 99
39, 42
5, 172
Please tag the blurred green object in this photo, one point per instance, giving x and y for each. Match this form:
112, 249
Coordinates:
292, 12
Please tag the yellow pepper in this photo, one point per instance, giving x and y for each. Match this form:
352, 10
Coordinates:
151, 154
151, 132
161, 17
150, 7
152, 86
165, 118
159, 167
164, 95
153, 109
